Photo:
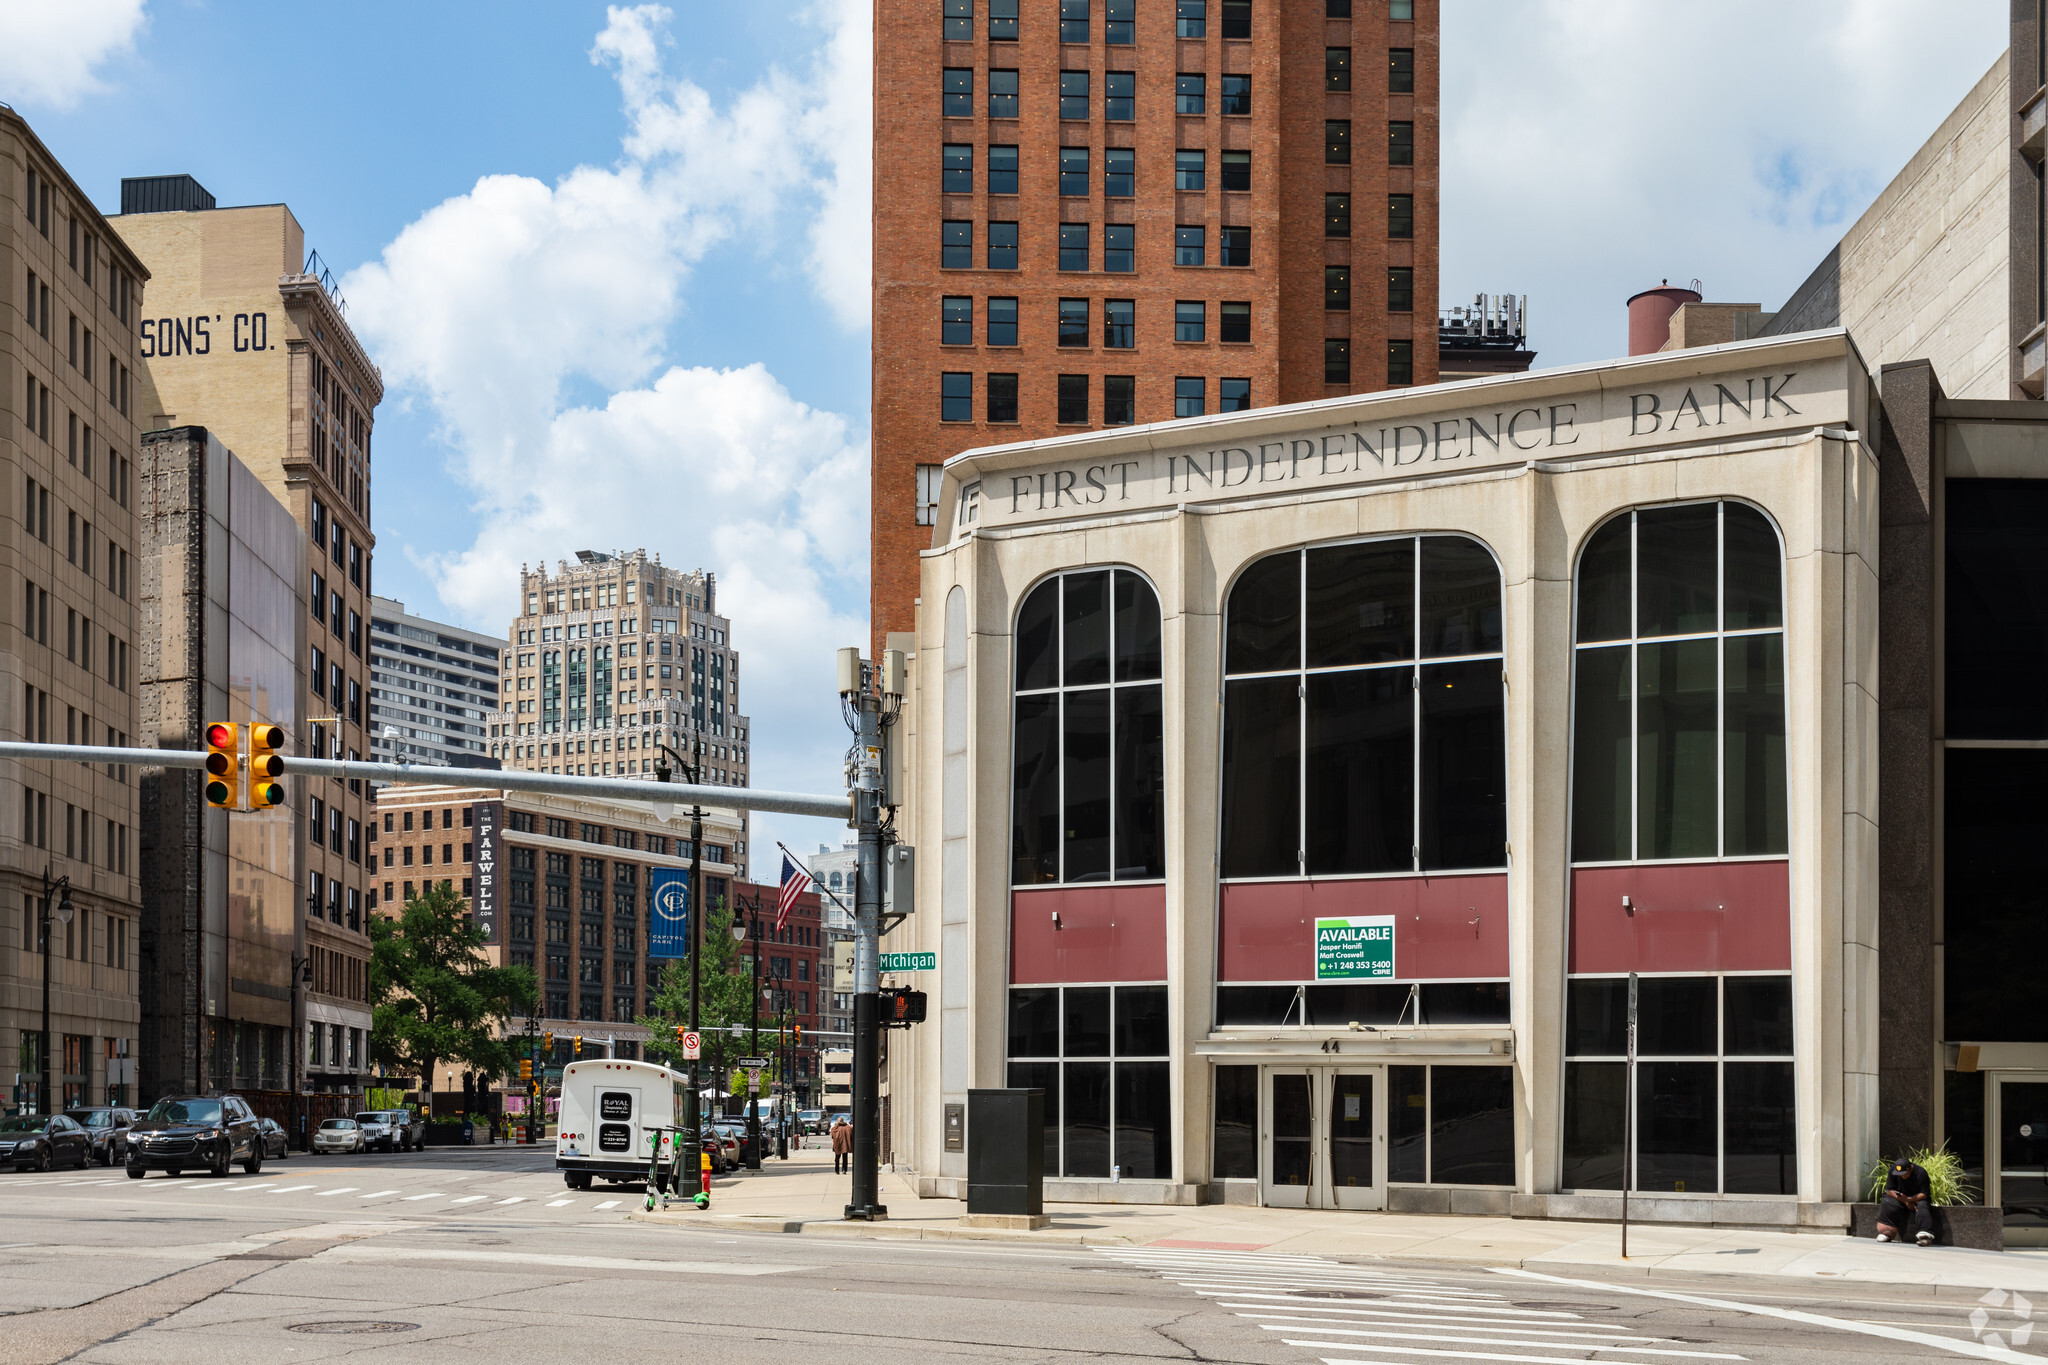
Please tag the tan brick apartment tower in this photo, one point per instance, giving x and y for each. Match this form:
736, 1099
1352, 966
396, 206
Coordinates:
245, 335
68, 662
1094, 213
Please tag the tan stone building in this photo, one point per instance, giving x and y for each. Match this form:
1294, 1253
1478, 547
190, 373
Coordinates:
613, 656
244, 333
68, 662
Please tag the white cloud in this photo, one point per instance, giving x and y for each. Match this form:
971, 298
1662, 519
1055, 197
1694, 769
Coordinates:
1591, 149
495, 305
48, 52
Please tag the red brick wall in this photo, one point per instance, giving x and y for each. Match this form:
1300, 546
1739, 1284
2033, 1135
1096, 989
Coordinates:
1284, 208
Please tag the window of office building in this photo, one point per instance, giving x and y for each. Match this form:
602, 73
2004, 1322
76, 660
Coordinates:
1002, 93
1002, 21
1190, 245
1002, 168
1119, 172
1073, 322
1400, 144
958, 22
1074, 21
1336, 360
1119, 324
1073, 246
1119, 400
1678, 747
1401, 70
1336, 286
1336, 215
1190, 93
1237, 321
1364, 726
1237, 95
1337, 141
1191, 18
957, 168
1237, 18
1237, 245
1073, 94
1189, 396
1119, 248
1400, 361
956, 320
1233, 395
1400, 215
1120, 22
1400, 289
1002, 246
1002, 322
1100, 1055
1336, 68
956, 397
1714, 1084
1002, 398
956, 244
1120, 96
957, 92
1189, 169
1237, 171
1088, 771
1074, 395
1190, 319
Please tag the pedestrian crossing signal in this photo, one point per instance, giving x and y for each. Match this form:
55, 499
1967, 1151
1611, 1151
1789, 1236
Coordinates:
223, 766
265, 766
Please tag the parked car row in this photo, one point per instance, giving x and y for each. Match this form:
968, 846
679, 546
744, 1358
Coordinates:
191, 1131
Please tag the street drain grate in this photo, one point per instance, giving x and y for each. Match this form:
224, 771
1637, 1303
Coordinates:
338, 1329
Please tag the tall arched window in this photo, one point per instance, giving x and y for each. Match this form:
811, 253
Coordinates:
1088, 778
1679, 726
1363, 725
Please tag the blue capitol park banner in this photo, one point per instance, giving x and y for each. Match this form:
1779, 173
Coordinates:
668, 927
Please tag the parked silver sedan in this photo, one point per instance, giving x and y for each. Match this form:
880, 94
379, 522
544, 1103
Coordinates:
338, 1135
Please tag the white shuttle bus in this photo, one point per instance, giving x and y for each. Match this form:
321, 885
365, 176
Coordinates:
608, 1106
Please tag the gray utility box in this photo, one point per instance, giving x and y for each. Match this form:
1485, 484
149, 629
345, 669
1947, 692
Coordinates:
1006, 1152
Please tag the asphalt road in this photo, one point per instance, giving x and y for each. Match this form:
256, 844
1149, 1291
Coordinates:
432, 1257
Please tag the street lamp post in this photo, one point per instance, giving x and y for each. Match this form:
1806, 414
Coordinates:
60, 885
742, 931
302, 976
692, 1116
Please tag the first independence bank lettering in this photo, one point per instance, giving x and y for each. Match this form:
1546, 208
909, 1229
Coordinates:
1408, 445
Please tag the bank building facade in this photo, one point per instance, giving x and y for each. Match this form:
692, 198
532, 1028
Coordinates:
1297, 789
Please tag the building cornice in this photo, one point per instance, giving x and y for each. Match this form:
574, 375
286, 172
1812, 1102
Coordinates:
306, 292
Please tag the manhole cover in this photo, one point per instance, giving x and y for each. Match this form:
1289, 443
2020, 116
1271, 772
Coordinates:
1563, 1306
352, 1328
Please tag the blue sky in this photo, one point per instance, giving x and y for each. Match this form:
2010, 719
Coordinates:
629, 246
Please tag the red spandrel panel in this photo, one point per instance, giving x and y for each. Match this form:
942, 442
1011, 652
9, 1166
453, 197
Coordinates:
1447, 927
1689, 917
1103, 933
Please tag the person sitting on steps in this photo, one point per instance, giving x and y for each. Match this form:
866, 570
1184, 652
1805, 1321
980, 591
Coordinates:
1906, 1198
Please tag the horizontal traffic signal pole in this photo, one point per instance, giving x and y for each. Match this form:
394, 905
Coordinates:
662, 795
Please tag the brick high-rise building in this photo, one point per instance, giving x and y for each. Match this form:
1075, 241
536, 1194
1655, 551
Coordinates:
1100, 212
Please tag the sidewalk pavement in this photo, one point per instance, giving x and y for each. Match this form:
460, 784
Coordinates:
801, 1195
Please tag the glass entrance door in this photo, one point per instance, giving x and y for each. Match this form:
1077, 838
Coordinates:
1325, 1138
2020, 1156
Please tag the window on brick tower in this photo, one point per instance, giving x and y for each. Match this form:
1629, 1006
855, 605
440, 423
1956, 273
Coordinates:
1237, 321
1237, 18
1336, 286
1119, 172
1002, 168
1190, 320
1237, 171
1190, 93
1074, 324
1002, 93
1119, 324
1120, 23
1002, 322
959, 21
1237, 246
1190, 245
1119, 400
929, 477
1120, 96
1336, 215
1002, 21
956, 397
1074, 21
1237, 95
1073, 172
1190, 169
957, 92
1400, 215
1073, 94
1119, 249
956, 320
956, 244
1002, 246
1401, 70
1337, 360
1189, 396
1401, 362
1233, 395
1336, 68
1002, 398
1337, 141
1191, 18
1400, 289
1073, 246
1400, 144
957, 168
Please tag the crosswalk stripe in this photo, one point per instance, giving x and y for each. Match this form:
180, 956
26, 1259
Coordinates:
1220, 1285
558, 1203
611, 1203
515, 1199
1367, 1317
468, 1199
339, 1189
378, 1194
287, 1189
1383, 1331
430, 1194
1476, 1310
1470, 1355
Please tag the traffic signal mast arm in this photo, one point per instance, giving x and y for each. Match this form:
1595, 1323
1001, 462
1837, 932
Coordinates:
659, 794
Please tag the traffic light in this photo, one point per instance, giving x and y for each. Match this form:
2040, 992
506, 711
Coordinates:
579, 1045
547, 1043
799, 1035
223, 766
526, 1068
680, 1031
265, 767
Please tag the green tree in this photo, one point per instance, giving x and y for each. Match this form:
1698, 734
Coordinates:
434, 996
726, 985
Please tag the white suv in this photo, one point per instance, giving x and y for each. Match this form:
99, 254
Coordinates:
375, 1126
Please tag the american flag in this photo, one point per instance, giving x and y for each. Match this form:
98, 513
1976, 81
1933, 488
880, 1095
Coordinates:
795, 881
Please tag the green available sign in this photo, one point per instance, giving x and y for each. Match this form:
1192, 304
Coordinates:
1355, 948
914, 962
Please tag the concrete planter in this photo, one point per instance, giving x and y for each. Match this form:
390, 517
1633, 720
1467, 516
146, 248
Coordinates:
1960, 1225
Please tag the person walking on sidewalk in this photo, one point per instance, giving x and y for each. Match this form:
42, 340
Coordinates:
842, 1147
1906, 1199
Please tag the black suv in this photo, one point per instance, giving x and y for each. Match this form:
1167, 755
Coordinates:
212, 1132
